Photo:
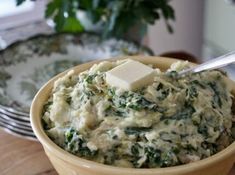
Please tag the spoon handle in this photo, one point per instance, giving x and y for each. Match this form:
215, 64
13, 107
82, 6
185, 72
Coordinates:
212, 64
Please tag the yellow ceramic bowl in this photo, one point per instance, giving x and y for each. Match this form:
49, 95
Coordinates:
68, 164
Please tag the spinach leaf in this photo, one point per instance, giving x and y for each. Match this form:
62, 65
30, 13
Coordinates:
153, 157
69, 100
191, 92
111, 155
198, 83
135, 101
166, 159
136, 130
135, 149
216, 97
112, 111
172, 74
202, 129
89, 79
75, 144
164, 92
46, 106
111, 92
185, 113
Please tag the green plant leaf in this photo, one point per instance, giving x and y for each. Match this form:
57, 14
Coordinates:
117, 16
51, 8
72, 25
95, 3
116, 9
19, 2
85, 4
168, 12
171, 12
169, 28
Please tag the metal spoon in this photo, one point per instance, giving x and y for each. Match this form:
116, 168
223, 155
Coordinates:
218, 62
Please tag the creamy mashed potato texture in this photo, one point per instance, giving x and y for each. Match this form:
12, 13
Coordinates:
169, 122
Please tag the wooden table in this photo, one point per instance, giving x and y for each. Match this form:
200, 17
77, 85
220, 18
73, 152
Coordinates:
23, 157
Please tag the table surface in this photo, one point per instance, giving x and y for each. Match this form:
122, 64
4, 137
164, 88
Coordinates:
24, 157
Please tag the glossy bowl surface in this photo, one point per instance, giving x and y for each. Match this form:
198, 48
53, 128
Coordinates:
68, 164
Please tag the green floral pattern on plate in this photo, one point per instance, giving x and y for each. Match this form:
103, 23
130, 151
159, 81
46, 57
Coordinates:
39, 54
34, 81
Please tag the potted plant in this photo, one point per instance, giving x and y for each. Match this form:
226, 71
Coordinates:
126, 19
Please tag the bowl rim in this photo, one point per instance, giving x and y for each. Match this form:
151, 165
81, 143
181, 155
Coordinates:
47, 143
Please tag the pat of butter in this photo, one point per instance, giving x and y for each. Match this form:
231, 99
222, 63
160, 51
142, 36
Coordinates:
131, 75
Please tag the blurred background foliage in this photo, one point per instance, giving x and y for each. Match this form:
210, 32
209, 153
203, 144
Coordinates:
114, 18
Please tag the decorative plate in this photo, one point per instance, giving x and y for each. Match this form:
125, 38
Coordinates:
26, 65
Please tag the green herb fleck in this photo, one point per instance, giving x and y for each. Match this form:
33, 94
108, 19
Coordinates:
75, 144
69, 100
136, 130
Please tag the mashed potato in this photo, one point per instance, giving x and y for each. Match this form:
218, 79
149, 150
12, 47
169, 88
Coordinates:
169, 122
